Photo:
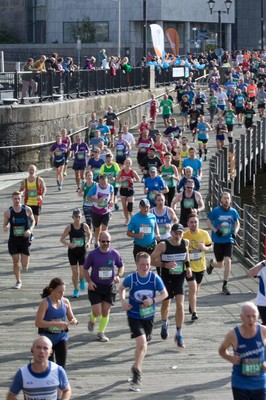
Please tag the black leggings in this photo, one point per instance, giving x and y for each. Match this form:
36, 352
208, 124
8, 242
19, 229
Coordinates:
60, 353
169, 196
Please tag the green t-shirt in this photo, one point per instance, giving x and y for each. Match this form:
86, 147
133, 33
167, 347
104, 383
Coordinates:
111, 171
167, 175
166, 104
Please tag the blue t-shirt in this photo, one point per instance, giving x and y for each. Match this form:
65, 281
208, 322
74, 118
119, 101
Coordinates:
152, 184
140, 289
223, 220
146, 224
104, 132
196, 164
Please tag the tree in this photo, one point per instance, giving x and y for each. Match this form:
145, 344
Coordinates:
85, 30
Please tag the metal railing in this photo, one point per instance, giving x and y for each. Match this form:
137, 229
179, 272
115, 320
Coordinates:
232, 168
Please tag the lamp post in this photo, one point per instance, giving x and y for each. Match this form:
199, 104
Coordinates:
211, 4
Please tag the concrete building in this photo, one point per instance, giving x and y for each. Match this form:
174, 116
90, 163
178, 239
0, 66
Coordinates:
119, 24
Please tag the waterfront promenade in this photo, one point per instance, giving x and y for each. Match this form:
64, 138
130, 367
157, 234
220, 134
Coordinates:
101, 370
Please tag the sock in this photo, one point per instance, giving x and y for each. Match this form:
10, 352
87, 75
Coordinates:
178, 332
103, 323
205, 151
92, 317
164, 321
200, 153
225, 283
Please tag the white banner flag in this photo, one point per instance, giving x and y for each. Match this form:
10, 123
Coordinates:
157, 35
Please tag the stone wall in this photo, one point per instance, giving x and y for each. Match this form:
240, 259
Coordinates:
38, 123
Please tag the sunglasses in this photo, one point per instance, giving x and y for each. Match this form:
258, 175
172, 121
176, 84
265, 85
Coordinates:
105, 241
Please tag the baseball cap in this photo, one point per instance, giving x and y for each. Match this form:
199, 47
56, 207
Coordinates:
77, 212
144, 203
152, 169
177, 227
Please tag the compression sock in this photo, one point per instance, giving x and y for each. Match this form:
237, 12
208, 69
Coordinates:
92, 318
103, 323
225, 283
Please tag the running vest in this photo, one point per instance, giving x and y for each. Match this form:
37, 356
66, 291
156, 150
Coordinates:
187, 203
144, 145
40, 386
159, 148
77, 236
57, 314
86, 189
121, 149
176, 254
184, 153
31, 191
129, 175
249, 374
163, 220
202, 131
105, 194
19, 223
110, 172
140, 289
167, 175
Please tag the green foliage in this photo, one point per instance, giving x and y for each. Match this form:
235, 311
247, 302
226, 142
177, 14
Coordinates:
85, 30
211, 47
6, 36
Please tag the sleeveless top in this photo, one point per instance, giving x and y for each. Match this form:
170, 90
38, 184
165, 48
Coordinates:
176, 254
86, 189
56, 335
163, 220
121, 149
19, 223
249, 374
140, 289
77, 236
129, 175
31, 191
186, 204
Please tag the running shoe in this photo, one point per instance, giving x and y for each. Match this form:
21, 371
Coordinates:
226, 291
165, 330
136, 380
210, 267
180, 341
75, 294
82, 284
102, 338
91, 325
59, 187
194, 316
65, 173
18, 285
77, 189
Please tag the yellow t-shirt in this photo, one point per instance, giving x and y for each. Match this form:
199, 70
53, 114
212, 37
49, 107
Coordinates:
197, 257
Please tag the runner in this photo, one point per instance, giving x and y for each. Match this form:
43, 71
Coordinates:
59, 150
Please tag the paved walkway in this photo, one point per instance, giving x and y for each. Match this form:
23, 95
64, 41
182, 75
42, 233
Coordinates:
98, 370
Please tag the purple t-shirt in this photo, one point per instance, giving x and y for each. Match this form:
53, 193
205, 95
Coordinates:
60, 154
102, 265
80, 152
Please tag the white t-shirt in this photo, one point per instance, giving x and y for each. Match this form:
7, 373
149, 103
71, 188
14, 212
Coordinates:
261, 295
129, 138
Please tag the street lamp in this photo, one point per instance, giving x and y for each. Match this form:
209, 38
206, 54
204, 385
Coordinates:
211, 4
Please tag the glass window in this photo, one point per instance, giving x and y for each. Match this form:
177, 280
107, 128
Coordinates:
101, 31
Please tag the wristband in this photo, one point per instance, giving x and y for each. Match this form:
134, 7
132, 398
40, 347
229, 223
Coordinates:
187, 264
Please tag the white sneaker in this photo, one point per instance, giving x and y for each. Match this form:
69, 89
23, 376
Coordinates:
18, 285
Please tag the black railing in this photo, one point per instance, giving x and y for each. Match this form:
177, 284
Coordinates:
76, 83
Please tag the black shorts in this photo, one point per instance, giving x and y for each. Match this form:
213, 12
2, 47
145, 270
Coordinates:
239, 110
196, 276
248, 124
99, 219
79, 167
222, 250
174, 285
261, 105
204, 141
76, 256
120, 160
115, 190
58, 164
230, 127
125, 192
245, 394
193, 126
220, 137
36, 210
19, 247
105, 293
140, 327
137, 249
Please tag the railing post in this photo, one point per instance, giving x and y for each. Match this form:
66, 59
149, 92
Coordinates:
249, 175
254, 147
16, 88
243, 160
238, 167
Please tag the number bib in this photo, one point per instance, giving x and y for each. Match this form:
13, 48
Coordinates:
105, 273
251, 366
79, 242
162, 229
80, 156
146, 229
103, 203
142, 150
146, 312
58, 153
195, 255
32, 193
179, 269
120, 153
188, 203
152, 196
124, 184
18, 230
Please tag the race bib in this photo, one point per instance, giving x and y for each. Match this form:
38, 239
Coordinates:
177, 270
195, 255
188, 203
146, 311
18, 230
105, 273
32, 193
146, 229
251, 366
79, 242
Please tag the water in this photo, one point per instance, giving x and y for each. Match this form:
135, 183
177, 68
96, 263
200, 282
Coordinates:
256, 195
